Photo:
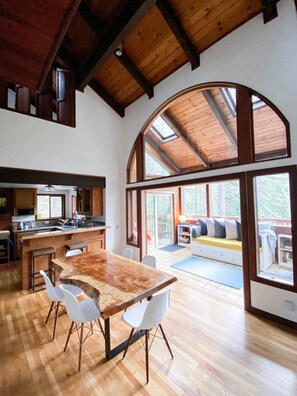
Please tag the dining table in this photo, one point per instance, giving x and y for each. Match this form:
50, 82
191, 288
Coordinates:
113, 282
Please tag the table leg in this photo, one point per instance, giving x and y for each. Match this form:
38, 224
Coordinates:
111, 353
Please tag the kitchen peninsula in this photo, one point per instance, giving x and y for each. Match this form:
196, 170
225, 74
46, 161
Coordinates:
95, 236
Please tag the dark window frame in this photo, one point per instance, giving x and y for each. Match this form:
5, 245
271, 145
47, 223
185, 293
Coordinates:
244, 157
292, 171
62, 196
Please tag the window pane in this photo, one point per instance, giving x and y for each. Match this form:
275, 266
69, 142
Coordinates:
132, 170
274, 230
194, 200
164, 131
132, 217
154, 167
56, 207
225, 199
43, 211
269, 132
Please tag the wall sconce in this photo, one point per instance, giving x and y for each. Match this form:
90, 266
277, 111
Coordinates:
182, 219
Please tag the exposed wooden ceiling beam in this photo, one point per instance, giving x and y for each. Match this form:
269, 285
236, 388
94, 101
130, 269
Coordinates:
69, 14
65, 58
220, 117
164, 157
173, 22
107, 97
111, 39
269, 10
92, 20
135, 73
183, 135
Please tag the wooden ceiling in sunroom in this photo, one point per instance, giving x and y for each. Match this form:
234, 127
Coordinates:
154, 38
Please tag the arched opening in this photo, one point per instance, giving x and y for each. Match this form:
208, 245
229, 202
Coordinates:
206, 127
210, 127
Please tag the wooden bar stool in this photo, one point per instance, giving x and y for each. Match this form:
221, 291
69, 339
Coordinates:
49, 251
77, 245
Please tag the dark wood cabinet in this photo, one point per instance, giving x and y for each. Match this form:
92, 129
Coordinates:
25, 198
90, 201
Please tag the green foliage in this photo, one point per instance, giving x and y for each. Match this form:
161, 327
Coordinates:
273, 196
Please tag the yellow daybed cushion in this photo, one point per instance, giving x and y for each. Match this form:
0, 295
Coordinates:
219, 242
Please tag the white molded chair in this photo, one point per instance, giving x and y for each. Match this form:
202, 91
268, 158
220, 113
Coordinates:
149, 260
56, 295
128, 253
147, 316
73, 252
79, 313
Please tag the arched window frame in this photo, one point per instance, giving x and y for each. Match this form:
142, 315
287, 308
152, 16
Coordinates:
245, 138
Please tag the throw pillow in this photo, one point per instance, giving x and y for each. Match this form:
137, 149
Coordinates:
238, 223
220, 230
203, 227
210, 227
196, 232
231, 229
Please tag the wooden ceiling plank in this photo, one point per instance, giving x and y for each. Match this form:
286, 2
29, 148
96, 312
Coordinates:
65, 58
135, 73
107, 97
177, 29
269, 10
69, 14
184, 136
110, 41
220, 117
93, 20
168, 161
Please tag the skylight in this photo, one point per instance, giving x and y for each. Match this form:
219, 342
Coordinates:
230, 98
163, 130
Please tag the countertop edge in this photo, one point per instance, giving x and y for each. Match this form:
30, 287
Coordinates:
63, 232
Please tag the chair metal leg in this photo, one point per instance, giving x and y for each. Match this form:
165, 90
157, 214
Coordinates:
80, 346
101, 328
69, 333
128, 343
147, 355
49, 312
56, 319
165, 339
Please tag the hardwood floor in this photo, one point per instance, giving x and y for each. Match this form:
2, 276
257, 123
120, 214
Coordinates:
218, 350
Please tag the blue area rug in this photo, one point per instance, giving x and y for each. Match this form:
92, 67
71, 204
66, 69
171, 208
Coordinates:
226, 274
171, 248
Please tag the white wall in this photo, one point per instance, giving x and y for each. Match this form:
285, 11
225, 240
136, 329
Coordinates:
92, 148
262, 57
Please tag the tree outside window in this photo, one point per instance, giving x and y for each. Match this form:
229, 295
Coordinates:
50, 206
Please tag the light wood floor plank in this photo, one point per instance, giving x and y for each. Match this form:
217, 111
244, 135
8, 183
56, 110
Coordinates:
218, 350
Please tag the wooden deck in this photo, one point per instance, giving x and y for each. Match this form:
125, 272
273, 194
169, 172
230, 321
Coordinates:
218, 349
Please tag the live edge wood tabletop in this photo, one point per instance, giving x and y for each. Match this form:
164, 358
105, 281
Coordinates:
113, 282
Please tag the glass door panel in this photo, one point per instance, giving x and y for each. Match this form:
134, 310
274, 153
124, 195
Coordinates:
164, 219
159, 219
274, 227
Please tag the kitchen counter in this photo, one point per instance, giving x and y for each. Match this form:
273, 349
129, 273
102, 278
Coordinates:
94, 236
54, 232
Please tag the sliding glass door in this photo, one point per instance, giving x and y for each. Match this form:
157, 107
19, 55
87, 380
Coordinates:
159, 213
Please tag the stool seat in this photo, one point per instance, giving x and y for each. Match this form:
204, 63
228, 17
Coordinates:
43, 251
48, 251
77, 245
